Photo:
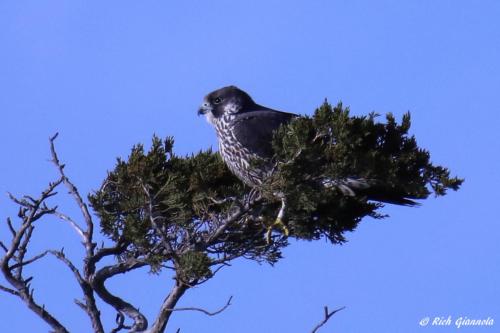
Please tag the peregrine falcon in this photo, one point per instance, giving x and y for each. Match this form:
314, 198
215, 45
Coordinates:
244, 131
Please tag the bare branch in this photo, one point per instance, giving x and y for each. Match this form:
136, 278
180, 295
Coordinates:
60, 255
120, 322
25, 294
107, 251
20, 202
90, 306
11, 228
27, 262
121, 306
2, 245
72, 223
22, 249
19, 239
76, 196
327, 317
166, 308
80, 304
8, 290
208, 313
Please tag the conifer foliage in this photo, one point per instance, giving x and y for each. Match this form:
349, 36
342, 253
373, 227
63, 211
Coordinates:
189, 191
190, 215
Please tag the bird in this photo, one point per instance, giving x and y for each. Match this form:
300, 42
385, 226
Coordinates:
245, 132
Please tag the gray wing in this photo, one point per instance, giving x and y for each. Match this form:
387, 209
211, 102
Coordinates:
254, 129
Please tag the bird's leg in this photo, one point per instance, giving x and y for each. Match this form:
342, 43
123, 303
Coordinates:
280, 221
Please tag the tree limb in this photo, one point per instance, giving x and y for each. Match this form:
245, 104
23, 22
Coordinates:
60, 255
27, 262
327, 317
120, 321
90, 305
166, 308
29, 213
72, 223
121, 306
8, 290
208, 313
89, 245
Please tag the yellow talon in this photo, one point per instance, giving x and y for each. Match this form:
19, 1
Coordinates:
268, 235
278, 222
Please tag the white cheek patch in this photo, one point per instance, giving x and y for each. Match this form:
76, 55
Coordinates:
210, 118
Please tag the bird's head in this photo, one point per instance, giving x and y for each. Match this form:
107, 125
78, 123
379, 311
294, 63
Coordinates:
225, 101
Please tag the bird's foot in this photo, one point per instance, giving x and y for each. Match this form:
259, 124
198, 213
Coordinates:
281, 225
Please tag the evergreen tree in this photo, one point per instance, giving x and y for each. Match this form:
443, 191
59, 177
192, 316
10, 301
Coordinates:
189, 214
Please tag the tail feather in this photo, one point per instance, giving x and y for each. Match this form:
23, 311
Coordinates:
372, 189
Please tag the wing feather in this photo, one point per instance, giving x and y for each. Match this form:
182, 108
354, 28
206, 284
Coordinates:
255, 129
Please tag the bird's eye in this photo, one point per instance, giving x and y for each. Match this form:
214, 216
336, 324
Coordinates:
217, 100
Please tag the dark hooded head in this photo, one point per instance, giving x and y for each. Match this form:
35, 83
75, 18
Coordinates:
227, 100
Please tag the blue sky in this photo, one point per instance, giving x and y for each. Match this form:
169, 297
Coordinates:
107, 75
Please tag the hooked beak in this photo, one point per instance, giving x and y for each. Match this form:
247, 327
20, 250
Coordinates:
204, 109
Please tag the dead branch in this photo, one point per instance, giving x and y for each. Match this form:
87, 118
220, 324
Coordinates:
8, 290
61, 256
120, 321
89, 245
90, 306
207, 236
327, 317
121, 306
12, 231
27, 262
29, 212
72, 223
166, 308
208, 313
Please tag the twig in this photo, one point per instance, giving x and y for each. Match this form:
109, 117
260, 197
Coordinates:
60, 255
164, 238
28, 213
208, 313
76, 196
327, 317
27, 262
72, 223
229, 221
11, 228
120, 321
8, 290
20, 202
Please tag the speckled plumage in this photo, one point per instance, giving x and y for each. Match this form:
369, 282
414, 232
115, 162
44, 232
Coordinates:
244, 131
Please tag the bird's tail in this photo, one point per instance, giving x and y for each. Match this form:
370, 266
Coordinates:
372, 189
